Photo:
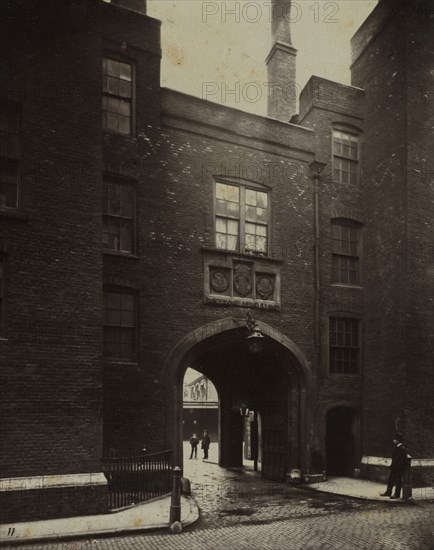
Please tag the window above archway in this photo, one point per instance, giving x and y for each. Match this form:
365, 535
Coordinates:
242, 218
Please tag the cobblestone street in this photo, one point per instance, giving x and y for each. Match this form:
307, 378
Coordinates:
241, 510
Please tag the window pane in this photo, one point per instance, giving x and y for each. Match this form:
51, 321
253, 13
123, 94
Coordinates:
124, 108
127, 209
261, 214
112, 121
221, 191
261, 244
233, 193
232, 242
127, 301
221, 225
261, 230
126, 238
221, 207
251, 213
113, 317
124, 88
262, 199
127, 319
113, 67
232, 227
124, 125
250, 242
114, 207
250, 228
220, 240
112, 85
113, 300
125, 71
233, 209
8, 194
251, 197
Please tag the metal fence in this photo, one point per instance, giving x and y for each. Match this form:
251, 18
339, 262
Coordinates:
136, 479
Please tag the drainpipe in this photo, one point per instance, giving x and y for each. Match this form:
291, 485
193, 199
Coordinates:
316, 168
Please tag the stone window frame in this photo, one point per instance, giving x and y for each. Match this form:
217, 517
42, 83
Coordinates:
358, 226
112, 56
353, 133
134, 330
243, 185
345, 317
108, 179
9, 158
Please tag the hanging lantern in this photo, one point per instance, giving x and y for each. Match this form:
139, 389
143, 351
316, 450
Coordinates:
255, 338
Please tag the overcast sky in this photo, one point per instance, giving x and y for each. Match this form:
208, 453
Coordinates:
212, 47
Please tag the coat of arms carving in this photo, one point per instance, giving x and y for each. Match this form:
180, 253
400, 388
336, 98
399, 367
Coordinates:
264, 287
243, 280
219, 281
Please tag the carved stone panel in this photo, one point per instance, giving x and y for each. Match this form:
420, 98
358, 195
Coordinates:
219, 280
265, 286
243, 280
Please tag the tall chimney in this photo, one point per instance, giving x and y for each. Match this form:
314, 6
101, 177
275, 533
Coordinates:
281, 61
133, 5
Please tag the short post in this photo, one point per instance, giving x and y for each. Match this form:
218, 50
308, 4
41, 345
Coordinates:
407, 489
175, 505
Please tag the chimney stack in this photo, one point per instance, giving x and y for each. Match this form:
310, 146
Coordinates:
134, 5
281, 61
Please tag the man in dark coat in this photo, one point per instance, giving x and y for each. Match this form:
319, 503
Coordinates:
194, 442
206, 442
397, 467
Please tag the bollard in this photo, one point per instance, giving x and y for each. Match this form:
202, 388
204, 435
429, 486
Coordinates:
175, 505
407, 490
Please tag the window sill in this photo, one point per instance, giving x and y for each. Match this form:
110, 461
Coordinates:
341, 285
130, 137
352, 185
343, 375
242, 255
121, 254
118, 362
12, 213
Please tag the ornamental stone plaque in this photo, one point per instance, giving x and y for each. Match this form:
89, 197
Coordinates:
243, 280
264, 286
219, 280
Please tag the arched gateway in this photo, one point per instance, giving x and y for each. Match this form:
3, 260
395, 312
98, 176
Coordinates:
276, 383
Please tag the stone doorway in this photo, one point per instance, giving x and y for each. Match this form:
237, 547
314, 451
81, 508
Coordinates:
341, 441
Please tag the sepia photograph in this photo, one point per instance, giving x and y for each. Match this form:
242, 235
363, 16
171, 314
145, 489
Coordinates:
217, 274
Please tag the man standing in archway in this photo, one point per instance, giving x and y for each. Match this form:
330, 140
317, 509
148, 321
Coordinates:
206, 442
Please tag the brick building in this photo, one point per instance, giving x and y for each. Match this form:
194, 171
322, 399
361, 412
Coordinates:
138, 225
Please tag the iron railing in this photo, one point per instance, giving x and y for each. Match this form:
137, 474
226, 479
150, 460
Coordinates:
136, 479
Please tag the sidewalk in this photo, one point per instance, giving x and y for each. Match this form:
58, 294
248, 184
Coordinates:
151, 515
362, 488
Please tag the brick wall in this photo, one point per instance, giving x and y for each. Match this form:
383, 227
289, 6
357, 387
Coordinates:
199, 141
51, 358
398, 206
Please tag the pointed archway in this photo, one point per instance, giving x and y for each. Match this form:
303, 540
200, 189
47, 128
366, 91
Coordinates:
278, 384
